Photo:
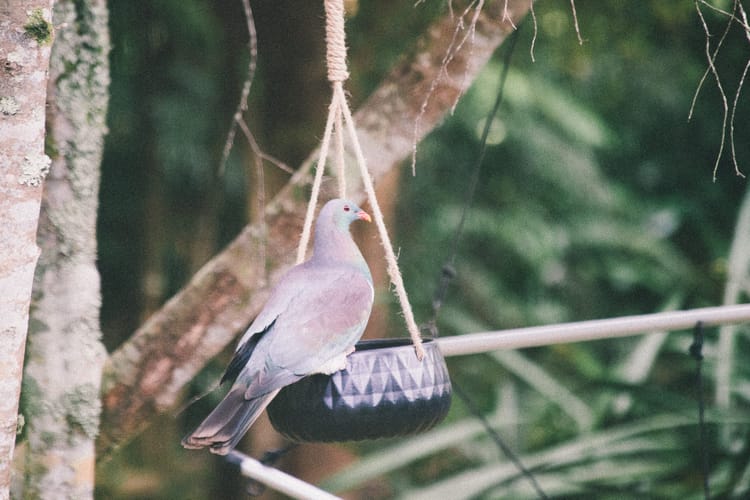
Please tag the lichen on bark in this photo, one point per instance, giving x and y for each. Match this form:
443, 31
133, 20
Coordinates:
65, 356
38, 28
24, 64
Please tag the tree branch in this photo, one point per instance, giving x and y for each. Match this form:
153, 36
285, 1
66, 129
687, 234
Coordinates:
145, 376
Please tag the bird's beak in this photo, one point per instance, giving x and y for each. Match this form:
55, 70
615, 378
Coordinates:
362, 215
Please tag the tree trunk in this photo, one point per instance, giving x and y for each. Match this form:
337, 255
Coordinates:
25, 40
65, 357
146, 375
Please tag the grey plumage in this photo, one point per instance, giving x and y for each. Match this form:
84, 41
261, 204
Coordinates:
311, 321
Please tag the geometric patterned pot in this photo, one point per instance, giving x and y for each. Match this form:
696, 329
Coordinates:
384, 391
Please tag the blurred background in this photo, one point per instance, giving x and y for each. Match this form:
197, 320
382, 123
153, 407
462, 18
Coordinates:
596, 199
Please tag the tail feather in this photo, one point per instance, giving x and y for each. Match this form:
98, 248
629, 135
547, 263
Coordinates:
228, 422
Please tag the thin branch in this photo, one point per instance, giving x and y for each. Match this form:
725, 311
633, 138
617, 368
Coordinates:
260, 189
453, 49
741, 84
745, 25
506, 16
238, 119
259, 152
575, 21
536, 30
447, 57
742, 22
712, 69
470, 36
737, 170
252, 45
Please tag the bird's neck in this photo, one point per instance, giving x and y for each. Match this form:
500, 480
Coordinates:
336, 246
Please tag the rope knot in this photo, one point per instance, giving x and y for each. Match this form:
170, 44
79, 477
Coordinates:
335, 41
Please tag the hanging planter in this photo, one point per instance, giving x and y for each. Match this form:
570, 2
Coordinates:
385, 391
390, 387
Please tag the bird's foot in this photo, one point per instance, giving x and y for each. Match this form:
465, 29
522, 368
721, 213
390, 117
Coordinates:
334, 365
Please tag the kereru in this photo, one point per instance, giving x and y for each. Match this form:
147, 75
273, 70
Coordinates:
310, 323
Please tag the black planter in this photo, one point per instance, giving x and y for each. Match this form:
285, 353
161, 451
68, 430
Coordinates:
383, 392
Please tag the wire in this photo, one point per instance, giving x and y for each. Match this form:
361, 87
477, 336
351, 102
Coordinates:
448, 271
696, 351
499, 440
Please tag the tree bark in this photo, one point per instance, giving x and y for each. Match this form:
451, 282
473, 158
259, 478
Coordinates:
25, 40
62, 378
145, 375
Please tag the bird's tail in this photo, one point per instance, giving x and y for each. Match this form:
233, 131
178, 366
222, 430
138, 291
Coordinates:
224, 427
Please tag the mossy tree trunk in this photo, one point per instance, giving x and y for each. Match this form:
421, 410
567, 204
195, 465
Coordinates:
65, 357
25, 34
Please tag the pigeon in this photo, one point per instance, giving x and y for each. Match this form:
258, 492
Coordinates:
314, 316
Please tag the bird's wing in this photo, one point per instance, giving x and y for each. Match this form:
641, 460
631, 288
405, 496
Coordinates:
325, 316
242, 354
285, 291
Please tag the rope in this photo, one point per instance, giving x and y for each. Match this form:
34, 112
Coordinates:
340, 120
335, 41
337, 74
319, 168
340, 163
390, 257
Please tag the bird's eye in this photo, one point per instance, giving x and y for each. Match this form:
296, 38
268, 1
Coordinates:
346, 208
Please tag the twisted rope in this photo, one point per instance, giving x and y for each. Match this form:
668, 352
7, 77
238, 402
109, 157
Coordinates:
335, 41
340, 120
319, 168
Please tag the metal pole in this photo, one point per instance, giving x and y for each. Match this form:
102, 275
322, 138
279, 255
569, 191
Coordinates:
474, 343
276, 479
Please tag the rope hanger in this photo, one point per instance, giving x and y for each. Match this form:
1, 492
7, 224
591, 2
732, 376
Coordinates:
340, 121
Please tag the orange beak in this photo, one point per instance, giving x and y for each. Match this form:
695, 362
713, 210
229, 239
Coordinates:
362, 215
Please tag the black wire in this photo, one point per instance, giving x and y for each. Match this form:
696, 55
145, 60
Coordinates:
696, 351
498, 440
448, 271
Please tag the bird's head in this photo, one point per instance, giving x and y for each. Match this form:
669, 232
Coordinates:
342, 213
333, 242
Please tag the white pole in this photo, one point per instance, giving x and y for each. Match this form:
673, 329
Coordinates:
517, 338
278, 480
474, 343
